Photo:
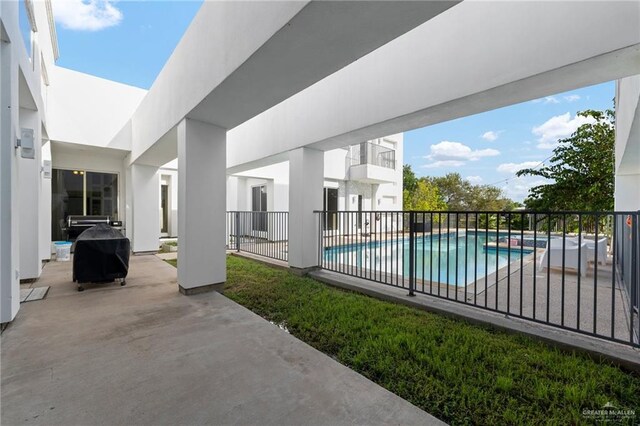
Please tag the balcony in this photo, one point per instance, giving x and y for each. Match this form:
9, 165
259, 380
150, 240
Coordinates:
372, 163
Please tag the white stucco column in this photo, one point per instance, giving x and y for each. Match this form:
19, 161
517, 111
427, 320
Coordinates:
145, 209
9, 215
627, 192
306, 180
202, 160
45, 203
29, 181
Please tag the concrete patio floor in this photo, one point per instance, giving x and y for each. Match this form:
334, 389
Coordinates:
145, 354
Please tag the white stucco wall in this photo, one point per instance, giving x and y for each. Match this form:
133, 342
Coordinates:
22, 104
89, 110
628, 125
627, 152
475, 57
336, 174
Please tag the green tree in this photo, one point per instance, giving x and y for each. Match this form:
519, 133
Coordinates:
424, 197
409, 179
453, 190
419, 193
460, 195
581, 169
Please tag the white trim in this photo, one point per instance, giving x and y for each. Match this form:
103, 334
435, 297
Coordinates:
52, 30
32, 17
43, 70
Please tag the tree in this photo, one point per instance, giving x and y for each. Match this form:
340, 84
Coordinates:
581, 169
453, 189
419, 194
424, 198
409, 179
460, 195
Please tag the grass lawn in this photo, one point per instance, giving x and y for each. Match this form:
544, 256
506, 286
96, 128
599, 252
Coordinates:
460, 373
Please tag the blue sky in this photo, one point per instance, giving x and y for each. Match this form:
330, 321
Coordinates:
129, 42
490, 147
125, 41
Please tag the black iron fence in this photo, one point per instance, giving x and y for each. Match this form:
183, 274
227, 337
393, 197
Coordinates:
574, 270
261, 233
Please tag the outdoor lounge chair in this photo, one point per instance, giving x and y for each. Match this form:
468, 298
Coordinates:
591, 249
552, 256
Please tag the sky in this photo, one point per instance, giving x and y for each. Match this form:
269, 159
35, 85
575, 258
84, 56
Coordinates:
489, 148
124, 41
129, 42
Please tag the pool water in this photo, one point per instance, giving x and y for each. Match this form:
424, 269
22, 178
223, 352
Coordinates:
448, 258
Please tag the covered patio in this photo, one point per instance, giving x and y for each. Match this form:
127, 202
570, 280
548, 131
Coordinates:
144, 354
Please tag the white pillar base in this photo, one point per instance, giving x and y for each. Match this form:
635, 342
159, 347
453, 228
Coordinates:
202, 164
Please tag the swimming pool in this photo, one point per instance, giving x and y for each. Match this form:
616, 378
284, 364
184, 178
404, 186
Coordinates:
447, 258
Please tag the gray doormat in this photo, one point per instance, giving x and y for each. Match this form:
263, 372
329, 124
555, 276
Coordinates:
31, 294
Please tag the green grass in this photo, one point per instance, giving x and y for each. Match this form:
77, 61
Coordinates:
461, 373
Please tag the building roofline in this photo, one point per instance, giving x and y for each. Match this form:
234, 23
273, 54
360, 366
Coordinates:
52, 30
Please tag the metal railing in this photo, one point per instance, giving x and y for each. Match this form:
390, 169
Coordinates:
370, 153
584, 278
261, 233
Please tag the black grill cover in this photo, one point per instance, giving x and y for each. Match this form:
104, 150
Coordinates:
101, 254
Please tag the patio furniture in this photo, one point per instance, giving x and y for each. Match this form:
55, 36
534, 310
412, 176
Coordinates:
553, 256
591, 249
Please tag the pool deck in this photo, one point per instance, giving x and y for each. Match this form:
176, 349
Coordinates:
144, 354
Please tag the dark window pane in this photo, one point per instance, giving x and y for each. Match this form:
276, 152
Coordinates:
102, 194
66, 199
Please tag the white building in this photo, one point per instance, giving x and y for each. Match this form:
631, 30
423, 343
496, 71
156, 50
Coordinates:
362, 177
275, 107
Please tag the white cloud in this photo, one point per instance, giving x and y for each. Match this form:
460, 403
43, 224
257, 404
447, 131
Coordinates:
558, 127
518, 189
86, 15
474, 179
491, 135
572, 98
455, 154
444, 163
513, 168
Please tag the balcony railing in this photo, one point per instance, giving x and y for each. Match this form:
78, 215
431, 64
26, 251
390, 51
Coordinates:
573, 270
370, 153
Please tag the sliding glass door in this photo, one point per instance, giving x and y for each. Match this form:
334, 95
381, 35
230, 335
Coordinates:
80, 192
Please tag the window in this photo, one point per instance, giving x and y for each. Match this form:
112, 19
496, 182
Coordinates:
330, 206
78, 192
259, 204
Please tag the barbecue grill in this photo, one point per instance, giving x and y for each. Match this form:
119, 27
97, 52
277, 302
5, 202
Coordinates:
101, 255
76, 225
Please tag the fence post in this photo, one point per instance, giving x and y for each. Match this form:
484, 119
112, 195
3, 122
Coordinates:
635, 265
237, 219
412, 237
